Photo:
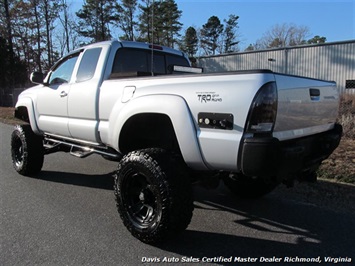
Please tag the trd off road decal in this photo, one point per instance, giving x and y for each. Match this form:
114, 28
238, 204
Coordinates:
206, 97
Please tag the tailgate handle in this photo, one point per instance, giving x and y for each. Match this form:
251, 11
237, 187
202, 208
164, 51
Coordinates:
314, 94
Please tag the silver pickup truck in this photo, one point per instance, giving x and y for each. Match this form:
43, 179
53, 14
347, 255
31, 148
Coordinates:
169, 125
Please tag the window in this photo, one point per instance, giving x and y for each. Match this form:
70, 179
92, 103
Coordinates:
350, 84
88, 64
63, 72
138, 60
176, 60
129, 60
159, 63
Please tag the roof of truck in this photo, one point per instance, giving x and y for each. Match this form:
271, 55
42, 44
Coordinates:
128, 44
132, 44
149, 46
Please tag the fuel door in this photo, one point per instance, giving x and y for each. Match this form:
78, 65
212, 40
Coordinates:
128, 93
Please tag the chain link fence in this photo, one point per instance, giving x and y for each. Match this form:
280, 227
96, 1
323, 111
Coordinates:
347, 115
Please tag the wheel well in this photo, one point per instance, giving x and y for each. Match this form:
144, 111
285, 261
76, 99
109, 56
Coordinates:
22, 113
149, 130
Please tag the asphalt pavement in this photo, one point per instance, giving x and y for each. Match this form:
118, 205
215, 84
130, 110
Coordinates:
66, 215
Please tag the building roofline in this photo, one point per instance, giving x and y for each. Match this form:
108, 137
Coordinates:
281, 48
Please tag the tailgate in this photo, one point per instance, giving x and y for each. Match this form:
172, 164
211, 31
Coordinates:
305, 106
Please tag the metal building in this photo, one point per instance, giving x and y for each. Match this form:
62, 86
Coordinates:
328, 61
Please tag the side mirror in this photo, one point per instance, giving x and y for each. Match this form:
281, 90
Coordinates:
37, 77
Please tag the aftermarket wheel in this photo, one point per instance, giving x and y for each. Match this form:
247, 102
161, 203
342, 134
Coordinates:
153, 194
250, 187
27, 150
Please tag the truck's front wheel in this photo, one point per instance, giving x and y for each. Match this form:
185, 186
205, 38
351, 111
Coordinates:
153, 194
27, 150
250, 187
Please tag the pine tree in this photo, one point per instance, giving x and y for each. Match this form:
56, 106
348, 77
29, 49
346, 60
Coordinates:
145, 22
230, 41
170, 24
127, 21
159, 22
317, 39
190, 42
210, 34
95, 18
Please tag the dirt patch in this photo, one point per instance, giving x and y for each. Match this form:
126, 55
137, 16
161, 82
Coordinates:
7, 116
340, 166
346, 115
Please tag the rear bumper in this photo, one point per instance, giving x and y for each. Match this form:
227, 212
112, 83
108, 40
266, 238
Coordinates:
267, 156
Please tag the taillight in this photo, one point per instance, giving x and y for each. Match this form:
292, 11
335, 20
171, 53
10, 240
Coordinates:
262, 113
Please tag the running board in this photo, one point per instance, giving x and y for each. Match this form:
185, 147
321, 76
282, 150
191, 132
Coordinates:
81, 152
52, 145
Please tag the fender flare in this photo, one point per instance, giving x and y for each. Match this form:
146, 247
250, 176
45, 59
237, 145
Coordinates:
176, 109
28, 103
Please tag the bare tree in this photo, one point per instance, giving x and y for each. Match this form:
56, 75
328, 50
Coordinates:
230, 42
281, 35
50, 10
68, 36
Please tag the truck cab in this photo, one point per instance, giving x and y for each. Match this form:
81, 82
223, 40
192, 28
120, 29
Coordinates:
67, 99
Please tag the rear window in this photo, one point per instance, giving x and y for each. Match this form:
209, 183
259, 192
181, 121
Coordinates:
138, 60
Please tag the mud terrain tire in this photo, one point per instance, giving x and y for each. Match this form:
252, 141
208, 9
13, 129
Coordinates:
27, 150
153, 194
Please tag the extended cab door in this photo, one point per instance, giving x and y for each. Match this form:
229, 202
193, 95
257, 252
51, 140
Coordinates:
52, 99
84, 94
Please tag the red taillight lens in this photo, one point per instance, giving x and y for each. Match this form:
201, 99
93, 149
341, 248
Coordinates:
262, 113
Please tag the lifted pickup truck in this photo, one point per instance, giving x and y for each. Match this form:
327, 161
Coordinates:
169, 125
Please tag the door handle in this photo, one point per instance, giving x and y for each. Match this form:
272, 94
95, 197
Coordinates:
63, 94
314, 94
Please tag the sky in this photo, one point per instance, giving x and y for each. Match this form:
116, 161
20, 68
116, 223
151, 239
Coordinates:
333, 19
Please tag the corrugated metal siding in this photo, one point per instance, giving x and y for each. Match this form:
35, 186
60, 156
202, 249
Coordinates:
330, 61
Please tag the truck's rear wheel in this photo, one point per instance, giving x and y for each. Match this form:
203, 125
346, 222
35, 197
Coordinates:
153, 194
27, 150
250, 187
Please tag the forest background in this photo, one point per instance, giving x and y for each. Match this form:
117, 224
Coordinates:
34, 34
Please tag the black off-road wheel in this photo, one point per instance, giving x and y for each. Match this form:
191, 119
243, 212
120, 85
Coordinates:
27, 150
153, 194
246, 187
